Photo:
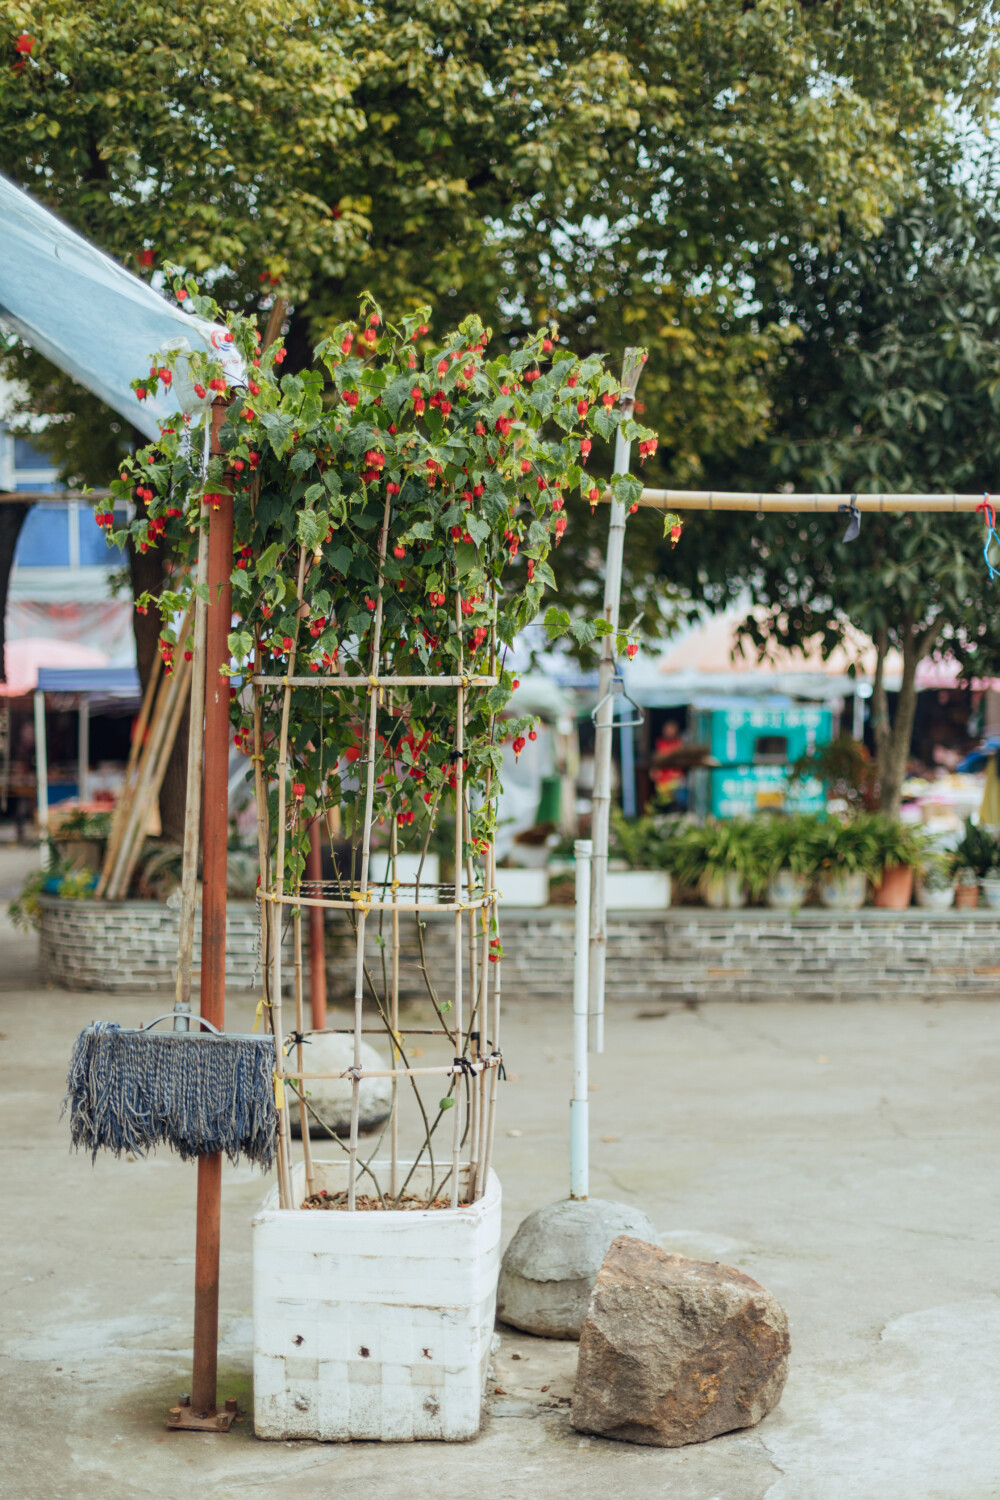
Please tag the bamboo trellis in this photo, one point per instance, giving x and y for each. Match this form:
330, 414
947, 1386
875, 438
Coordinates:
472, 1029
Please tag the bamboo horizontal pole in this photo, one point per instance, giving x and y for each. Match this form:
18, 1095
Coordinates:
792, 504
51, 497
321, 680
444, 1069
363, 903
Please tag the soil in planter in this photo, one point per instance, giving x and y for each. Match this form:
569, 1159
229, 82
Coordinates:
364, 1204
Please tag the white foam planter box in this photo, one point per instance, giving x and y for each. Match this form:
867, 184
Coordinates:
371, 1324
523, 887
637, 890
407, 868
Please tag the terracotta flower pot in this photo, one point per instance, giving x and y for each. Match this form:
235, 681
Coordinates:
896, 889
966, 897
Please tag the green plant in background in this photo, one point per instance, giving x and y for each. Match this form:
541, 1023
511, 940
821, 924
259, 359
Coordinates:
786, 843
25, 911
77, 884
938, 871
717, 848
895, 843
845, 768
845, 847
977, 850
80, 824
648, 843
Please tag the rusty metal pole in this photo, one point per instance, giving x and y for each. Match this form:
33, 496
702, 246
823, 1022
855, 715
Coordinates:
317, 934
215, 839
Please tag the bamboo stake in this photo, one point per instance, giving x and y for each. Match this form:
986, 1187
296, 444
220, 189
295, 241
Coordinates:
285, 1179
360, 902
153, 767
793, 504
124, 804
328, 680
394, 1019
192, 808
460, 1040
605, 712
359, 967
300, 1027
442, 1070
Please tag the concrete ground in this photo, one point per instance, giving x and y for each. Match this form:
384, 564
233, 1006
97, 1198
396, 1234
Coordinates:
843, 1155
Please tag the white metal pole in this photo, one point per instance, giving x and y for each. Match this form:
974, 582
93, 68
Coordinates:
41, 779
83, 751
579, 1109
601, 801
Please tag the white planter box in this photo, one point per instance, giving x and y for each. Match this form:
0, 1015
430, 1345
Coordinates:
638, 890
372, 1325
407, 865
523, 887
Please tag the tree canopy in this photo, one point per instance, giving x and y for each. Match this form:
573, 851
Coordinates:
624, 169
893, 384
652, 172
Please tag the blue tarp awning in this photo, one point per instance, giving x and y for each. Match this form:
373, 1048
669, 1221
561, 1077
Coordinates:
114, 682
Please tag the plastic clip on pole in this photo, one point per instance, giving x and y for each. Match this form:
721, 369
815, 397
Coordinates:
579, 1109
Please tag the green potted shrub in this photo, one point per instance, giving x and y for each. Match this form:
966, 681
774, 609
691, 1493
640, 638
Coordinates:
723, 859
975, 853
899, 852
787, 846
846, 858
645, 844
934, 887
990, 887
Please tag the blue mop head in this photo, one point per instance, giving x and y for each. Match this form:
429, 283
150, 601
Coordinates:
197, 1092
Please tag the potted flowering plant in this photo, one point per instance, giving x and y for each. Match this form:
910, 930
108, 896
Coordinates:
394, 510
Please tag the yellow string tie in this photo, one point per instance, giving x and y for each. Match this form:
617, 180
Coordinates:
279, 1090
259, 1015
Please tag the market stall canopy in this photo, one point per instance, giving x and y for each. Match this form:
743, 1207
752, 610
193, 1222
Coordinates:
91, 317
27, 660
706, 658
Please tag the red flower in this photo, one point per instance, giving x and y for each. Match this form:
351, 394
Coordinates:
182, 295
279, 357
582, 408
145, 258
346, 342
140, 393
199, 391
286, 642
631, 649
24, 43
585, 447
518, 746
298, 790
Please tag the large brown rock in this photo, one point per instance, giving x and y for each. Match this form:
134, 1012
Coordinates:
676, 1351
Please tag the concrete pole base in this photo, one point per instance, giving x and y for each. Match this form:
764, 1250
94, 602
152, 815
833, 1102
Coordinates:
552, 1262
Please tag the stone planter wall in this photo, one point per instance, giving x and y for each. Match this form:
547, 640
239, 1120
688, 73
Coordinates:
132, 945
683, 953
691, 953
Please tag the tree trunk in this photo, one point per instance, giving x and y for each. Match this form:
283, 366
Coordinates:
12, 518
148, 571
892, 736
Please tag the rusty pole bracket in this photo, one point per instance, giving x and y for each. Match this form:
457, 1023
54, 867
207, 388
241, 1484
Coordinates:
182, 1418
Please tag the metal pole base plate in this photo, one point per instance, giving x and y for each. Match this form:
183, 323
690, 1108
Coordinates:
183, 1418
